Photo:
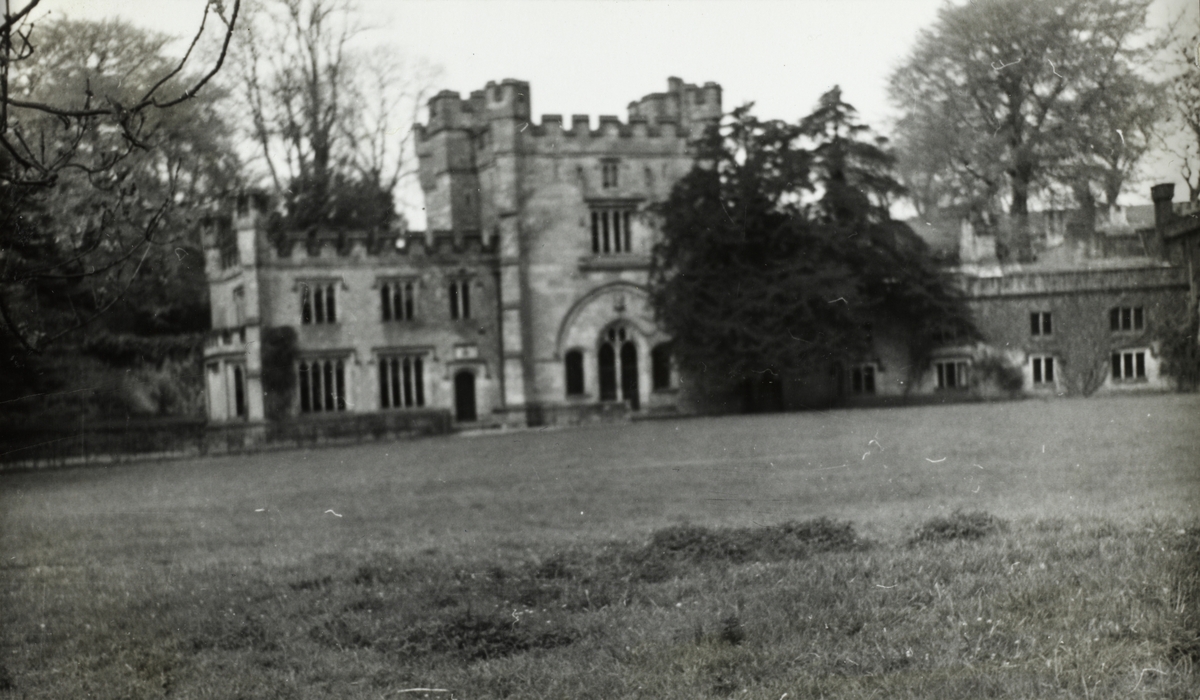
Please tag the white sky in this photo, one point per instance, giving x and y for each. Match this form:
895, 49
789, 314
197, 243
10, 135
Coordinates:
594, 57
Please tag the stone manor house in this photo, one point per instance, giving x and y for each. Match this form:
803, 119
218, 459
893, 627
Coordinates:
525, 302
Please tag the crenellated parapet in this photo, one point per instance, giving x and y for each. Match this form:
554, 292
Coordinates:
608, 127
318, 243
680, 112
691, 106
448, 111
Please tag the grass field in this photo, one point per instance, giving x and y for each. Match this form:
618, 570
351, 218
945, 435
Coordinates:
1024, 549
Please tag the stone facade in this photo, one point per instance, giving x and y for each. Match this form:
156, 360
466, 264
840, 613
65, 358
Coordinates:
1093, 307
525, 301
546, 226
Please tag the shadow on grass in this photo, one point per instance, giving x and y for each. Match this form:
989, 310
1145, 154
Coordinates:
674, 549
422, 608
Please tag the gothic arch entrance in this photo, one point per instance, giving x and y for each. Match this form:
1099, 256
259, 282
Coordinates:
464, 396
618, 360
629, 374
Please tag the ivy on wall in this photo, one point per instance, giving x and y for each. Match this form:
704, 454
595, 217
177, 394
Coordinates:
278, 360
1181, 353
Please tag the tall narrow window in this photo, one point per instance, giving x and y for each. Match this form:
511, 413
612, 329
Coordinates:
239, 304
322, 385
460, 299
1039, 323
612, 230
305, 394
608, 173
608, 372
1127, 318
1043, 370
1129, 365
396, 301
616, 231
952, 374
574, 368
618, 365
239, 392
318, 302
862, 379
401, 381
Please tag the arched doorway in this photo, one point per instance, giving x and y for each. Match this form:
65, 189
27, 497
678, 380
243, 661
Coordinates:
608, 372
629, 374
464, 396
618, 359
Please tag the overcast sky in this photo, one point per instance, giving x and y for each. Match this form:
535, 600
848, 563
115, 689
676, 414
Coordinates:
595, 57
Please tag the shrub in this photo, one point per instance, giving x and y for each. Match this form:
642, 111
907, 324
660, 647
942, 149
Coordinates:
995, 370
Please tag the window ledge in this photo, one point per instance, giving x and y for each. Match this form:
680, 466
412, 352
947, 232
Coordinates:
615, 261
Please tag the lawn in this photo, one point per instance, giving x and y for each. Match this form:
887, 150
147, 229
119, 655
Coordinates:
1022, 549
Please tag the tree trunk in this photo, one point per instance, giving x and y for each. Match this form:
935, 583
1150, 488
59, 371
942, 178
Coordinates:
1020, 245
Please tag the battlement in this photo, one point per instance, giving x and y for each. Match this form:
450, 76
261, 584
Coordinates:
680, 112
508, 99
686, 103
608, 126
299, 246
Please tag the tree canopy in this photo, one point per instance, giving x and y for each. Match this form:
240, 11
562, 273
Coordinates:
107, 146
110, 153
778, 252
1004, 101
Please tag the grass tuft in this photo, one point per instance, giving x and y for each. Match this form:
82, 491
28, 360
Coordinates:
732, 632
694, 545
473, 637
958, 526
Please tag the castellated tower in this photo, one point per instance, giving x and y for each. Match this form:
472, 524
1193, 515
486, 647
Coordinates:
565, 204
524, 302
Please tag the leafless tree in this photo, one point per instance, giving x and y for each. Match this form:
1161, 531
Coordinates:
324, 114
387, 93
1185, 112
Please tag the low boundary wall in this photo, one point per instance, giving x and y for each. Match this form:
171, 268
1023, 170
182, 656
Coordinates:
90, 442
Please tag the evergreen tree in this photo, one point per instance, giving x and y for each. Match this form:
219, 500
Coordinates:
778, 253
